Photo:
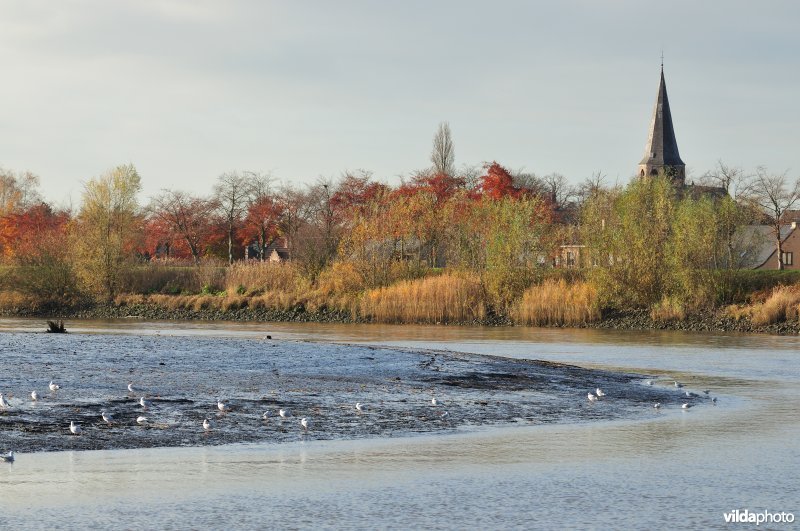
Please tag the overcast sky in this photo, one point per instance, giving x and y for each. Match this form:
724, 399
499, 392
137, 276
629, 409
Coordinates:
186, 90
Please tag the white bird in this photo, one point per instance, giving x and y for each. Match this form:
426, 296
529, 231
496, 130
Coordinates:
53, 386
360, 406
591, 397
106, 417
34, 396
7, 458
3, 402
434, 402
688, 394
649, 382
74, 428
599, 392
141, 420
678, 385
284, 413
130, 388
657, 405
206, 424
686, 406
445, 415
304, 423
265, 416
144, 403
222, 406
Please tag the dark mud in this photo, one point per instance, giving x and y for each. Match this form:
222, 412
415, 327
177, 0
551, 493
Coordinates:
183, 377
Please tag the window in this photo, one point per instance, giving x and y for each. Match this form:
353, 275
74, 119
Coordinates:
787, 258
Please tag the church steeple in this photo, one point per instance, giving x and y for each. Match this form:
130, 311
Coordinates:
661, 151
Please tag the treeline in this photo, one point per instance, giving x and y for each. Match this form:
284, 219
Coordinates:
442, 246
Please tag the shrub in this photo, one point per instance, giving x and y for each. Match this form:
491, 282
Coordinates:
668, 309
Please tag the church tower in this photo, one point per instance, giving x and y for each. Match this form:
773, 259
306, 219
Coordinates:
661, 151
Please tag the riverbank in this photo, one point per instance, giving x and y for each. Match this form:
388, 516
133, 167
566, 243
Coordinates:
706, 321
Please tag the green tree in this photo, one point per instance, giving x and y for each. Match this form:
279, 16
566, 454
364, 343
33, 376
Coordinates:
107, 230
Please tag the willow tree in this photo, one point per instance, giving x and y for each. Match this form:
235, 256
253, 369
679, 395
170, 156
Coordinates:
107, 229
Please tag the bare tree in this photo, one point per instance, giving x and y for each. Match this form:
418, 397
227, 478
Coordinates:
773, 195
730, 178
232, 193
260, 185
557, 189
443, 154
18, 191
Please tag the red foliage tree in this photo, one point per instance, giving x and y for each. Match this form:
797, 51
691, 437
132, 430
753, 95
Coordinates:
20, 232
262, 224
497, 183
183, 221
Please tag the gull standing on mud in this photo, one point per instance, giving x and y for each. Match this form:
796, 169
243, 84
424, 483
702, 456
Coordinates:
130, 388
34, 395
7, 458
265, 416
678, 385
284, 413
591, 397
3, 402
657, 405
304, 423
599, 392
686, 406
144, 403
106, 417
206, 424
141, 420
360, 407
222, 406
54, 386
74, 428
434, 402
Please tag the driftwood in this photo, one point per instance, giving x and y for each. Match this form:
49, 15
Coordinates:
56, 327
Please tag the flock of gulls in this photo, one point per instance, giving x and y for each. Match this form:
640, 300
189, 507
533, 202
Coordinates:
285, 413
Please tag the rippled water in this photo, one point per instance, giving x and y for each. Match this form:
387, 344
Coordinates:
679, 469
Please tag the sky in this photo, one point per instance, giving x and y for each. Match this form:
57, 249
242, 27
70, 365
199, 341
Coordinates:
188, 90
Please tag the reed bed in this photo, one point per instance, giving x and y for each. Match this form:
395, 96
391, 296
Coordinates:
556, 302
668, 309
447, 298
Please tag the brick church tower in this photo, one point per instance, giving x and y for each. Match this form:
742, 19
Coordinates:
661, 151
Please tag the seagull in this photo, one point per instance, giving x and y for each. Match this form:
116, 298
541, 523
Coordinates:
34, 396
688, 394
284, 413
74, 428
649, 382
599, 392
657, 405
130, 388
144, 403
222, 406
265, 416
141, 420
53, 386
434, 402
304, 423
445, 415
3, 402
678, 385
206, 424
591, 397
106, 417
360, 407
7, 458
686, 406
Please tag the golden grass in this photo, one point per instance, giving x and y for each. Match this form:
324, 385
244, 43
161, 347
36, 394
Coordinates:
253, 278
781, 305
556, 302
668, 309
12, 300
441, 299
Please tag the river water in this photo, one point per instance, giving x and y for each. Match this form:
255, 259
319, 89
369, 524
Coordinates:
673, 470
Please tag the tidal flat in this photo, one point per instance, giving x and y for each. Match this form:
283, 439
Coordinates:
183, 378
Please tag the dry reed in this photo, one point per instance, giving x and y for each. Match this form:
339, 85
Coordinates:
556, 302
441, 299
668, 309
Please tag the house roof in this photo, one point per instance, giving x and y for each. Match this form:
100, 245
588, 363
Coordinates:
763, 245
662, 148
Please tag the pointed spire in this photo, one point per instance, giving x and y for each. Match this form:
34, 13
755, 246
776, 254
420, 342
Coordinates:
661, 151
